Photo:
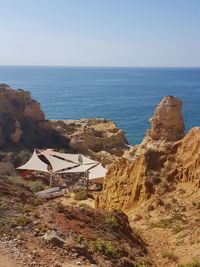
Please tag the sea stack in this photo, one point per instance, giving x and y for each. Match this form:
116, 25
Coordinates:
162, 159
167, 123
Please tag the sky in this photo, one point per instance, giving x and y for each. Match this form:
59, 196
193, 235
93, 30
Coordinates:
138, 33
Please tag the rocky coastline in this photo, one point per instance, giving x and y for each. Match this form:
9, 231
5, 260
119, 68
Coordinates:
156, 184
23, 127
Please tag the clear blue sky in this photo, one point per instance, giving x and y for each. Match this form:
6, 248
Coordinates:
100, 32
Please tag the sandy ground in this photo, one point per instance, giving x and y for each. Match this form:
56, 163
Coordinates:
69, 200
7, 261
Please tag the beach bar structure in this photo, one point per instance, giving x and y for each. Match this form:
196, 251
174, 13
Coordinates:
57, 163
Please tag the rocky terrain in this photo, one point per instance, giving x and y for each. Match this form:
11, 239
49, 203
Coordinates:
37, 233
23, 127
98, 138
158, 186
22, 122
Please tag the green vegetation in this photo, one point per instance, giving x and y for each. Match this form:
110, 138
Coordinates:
34, 186
104, 247
26, 208
169, 255
111, 221
23, 221
60, 207
79, 239
194, 263
37, 201
163, 223
84, 205
7, 223
168, 223
82, 194
42, 228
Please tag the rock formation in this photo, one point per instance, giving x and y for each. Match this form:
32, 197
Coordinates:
167, 123
23, 126
98, 138
157, 164
15, 106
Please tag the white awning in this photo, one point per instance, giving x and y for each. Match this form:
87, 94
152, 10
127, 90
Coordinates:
34, 164
59, 164
69, 157
79, 169
64, 163
97, 172
85, 160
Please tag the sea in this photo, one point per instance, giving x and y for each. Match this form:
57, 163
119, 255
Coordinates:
128, 96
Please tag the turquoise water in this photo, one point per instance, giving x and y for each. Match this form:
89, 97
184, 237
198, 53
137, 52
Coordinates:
126, 95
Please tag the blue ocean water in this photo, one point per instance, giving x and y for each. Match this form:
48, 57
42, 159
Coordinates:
126, 95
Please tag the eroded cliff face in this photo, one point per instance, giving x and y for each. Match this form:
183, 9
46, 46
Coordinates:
22, 122
98, 138
167, 123
23, 126
157, 164
14, 106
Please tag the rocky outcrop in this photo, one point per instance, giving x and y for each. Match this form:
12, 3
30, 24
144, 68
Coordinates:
98, 138
22, 122
23, 126
15, 105
156, 165
186, 162
167, 123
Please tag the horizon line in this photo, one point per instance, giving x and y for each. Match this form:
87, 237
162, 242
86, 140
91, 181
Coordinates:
94, 66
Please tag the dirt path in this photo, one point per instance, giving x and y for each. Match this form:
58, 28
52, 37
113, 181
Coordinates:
7, 261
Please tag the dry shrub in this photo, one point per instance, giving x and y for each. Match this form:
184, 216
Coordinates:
6, 169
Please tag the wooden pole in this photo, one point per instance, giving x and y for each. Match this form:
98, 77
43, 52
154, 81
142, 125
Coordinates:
51, 179
87, 182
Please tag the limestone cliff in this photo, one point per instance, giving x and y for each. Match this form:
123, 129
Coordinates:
157, 164
14, 106
167, 123
23, 126
98, 138
22, 122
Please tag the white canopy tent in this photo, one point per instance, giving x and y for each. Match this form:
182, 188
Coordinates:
59, 164
63, 163
34, 164
93, 171
79, 169
87, 161
98, 172
69, 157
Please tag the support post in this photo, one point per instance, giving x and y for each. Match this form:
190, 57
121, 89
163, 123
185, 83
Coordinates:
51, 179
87, 182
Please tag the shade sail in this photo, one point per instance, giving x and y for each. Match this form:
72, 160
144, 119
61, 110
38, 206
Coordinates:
34, 164
69, 157
59, 164
85, 160
97, 172
79, 169
64, 163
